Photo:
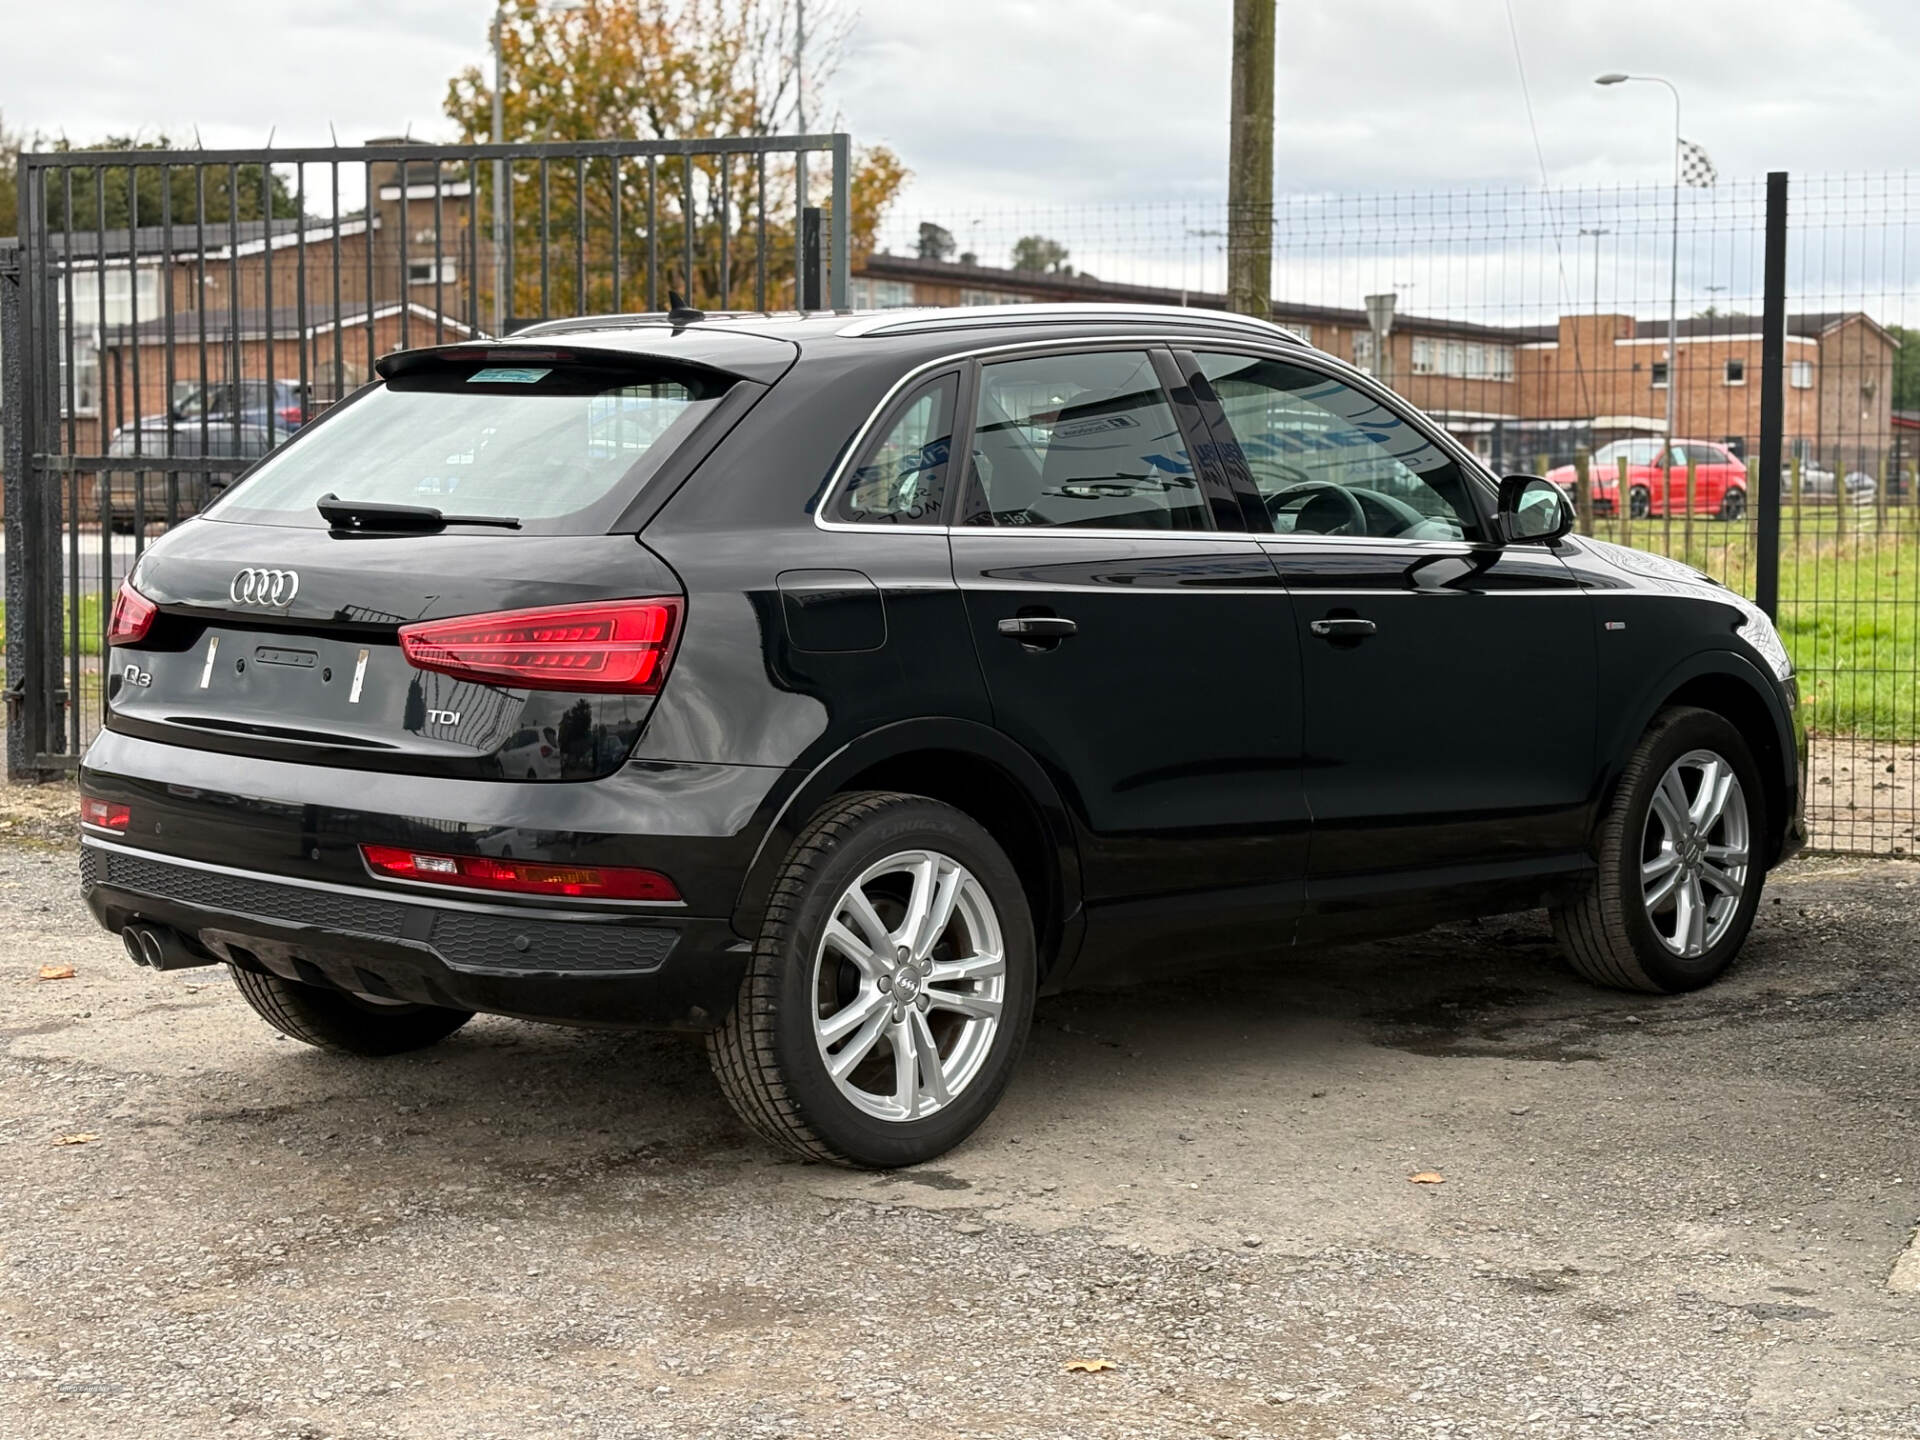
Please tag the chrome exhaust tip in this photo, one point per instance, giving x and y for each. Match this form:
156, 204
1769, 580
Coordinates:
160, 947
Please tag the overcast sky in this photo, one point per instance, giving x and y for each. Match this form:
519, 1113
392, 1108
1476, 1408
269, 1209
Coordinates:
1024, 115
1013, 102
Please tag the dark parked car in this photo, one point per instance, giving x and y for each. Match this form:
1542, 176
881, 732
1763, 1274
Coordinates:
897, 667
133, 498
277, 406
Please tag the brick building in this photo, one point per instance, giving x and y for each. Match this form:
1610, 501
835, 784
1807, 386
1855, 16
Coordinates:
263, 292
1518, 394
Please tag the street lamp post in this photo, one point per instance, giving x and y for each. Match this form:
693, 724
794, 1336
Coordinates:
1673, 293
1596, 232
499, 185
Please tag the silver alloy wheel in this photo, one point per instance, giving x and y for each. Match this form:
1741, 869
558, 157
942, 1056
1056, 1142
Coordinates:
908, 984
1694, 853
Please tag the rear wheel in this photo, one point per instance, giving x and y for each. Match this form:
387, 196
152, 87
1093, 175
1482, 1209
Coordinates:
1639, 502
1733, 504
890, 990
1680, 865
336, 1020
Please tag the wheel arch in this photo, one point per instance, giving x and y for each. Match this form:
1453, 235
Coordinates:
1729, 685
976, 769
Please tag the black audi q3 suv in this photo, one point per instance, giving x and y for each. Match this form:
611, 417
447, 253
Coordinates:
832, 684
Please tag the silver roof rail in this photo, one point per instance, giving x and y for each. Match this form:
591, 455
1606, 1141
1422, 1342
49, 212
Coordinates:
925, 318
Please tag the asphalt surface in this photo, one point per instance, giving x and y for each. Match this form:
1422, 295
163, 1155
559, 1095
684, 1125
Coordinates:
1659, 1217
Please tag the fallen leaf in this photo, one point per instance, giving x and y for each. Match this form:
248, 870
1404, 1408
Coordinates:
56, 972
1427, 1177
85, 1138
1088, 1367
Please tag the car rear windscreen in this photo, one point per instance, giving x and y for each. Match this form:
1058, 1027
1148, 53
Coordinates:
562, 449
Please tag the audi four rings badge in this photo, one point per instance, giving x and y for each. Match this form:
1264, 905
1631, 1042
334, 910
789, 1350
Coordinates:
271, 588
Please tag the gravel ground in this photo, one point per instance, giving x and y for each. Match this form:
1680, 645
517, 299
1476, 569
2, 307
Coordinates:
1659, 1217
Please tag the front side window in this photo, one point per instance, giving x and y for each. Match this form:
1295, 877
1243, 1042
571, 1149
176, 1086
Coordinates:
901, 478
1085, 440
1328, 459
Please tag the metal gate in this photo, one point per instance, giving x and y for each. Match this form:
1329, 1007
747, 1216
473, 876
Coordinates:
170, 316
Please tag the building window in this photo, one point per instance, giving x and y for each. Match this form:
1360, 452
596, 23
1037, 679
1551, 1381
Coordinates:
1303, 332
1801, 374
109, 299
1736, 372
865, 294
1462, 359
425, 272
1659, 374
992, 297
1363, 350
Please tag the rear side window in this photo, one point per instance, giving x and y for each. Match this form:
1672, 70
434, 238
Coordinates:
901, 478
561, 449
1085, 440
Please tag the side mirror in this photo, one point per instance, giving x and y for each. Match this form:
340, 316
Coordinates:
1533, 510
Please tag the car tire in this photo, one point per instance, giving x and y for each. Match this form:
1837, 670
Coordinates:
1733, 505
800, 1056
1615, 932
1639, 503
335, 1020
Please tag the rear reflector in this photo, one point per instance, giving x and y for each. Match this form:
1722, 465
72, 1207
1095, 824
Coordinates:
617, 646
132, 616
103, 813
482, 872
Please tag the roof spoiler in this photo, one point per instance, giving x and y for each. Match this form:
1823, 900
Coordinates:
511, 352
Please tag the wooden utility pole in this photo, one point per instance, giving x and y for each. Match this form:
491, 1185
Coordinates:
1250, 161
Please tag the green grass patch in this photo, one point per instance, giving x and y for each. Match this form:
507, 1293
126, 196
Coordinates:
92, 623
1849, 605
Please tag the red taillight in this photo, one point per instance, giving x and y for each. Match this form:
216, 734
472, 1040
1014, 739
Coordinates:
482, 872
612, 645
132, 616
290, 415
103, 813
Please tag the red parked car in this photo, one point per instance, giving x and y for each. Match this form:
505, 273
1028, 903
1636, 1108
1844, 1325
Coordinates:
1719, 479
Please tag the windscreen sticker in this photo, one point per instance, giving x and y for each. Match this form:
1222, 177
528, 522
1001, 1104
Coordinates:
507, 375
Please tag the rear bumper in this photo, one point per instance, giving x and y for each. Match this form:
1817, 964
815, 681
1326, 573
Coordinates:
616, 969
259, 860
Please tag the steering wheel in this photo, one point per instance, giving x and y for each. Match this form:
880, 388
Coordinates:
1356, 520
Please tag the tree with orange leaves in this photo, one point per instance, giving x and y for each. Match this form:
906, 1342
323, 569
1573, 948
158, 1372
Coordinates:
668, 70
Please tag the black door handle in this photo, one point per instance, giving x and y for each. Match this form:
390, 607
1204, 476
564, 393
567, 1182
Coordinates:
1038, 627
1343, 627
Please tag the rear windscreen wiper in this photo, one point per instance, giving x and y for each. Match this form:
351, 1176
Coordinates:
377, 515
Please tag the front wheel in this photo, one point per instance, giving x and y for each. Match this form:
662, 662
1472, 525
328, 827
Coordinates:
890, 991
1680, 861
1639, 502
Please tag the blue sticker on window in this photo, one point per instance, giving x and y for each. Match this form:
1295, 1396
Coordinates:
507, 375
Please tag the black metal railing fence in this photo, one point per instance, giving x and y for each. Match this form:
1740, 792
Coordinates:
168, 317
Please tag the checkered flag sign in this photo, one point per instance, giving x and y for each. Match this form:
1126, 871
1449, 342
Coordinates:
1695, 168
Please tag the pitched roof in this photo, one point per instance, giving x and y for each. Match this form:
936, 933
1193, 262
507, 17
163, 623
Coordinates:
283, 322
1086, 287
214, 238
